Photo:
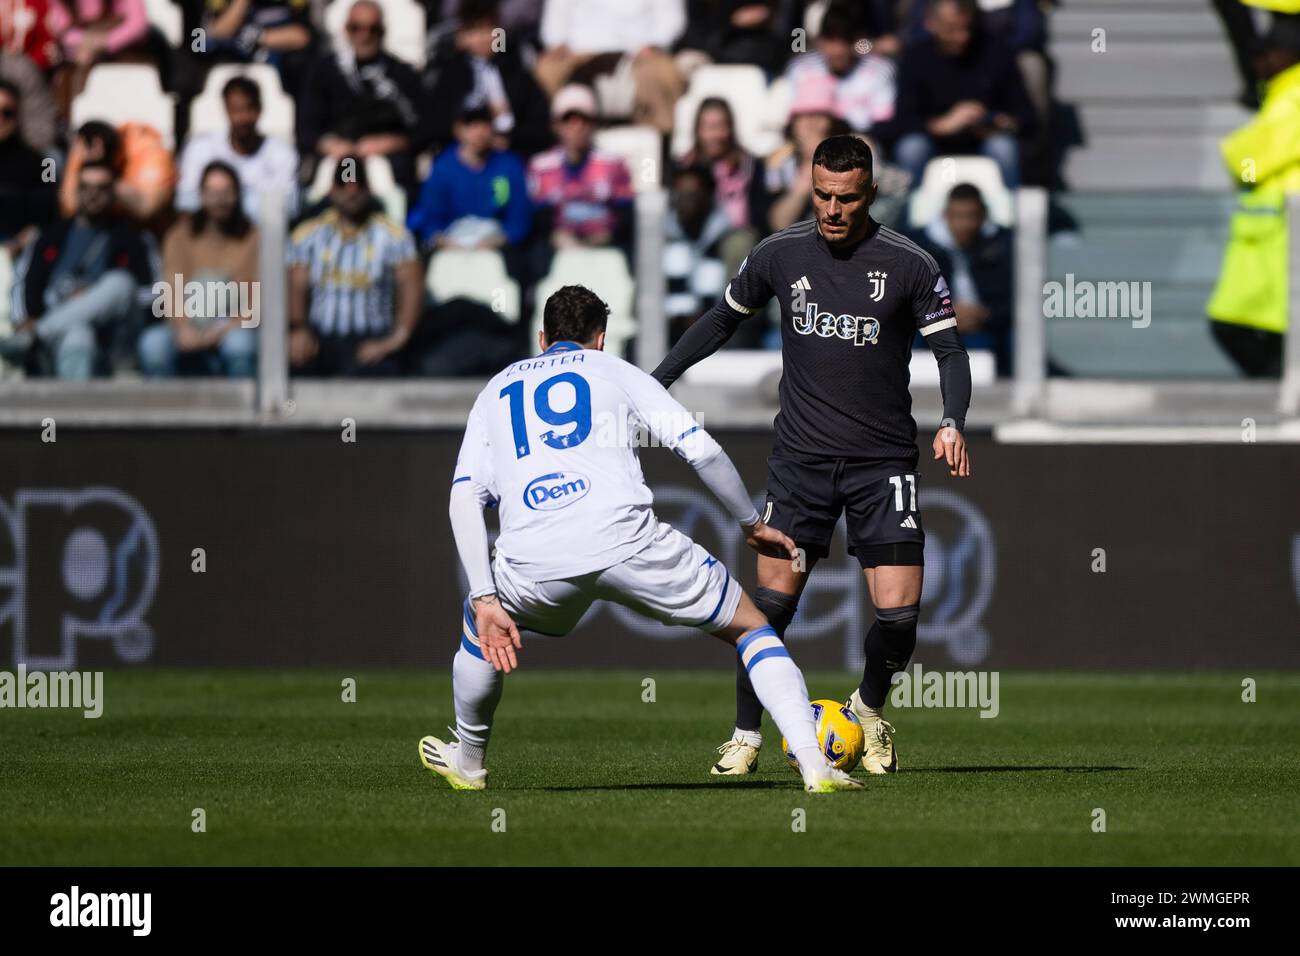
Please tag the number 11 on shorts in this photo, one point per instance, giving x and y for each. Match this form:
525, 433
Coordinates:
897, 482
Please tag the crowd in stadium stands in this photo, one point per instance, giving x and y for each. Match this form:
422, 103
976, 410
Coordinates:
490, 143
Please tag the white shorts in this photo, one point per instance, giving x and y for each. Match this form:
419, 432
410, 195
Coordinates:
672, 580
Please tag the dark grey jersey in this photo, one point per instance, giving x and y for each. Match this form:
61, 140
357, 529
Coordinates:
848, 319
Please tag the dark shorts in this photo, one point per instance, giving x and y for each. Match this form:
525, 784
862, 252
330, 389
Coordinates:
805, 498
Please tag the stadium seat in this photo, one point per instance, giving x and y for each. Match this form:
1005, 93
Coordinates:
6, 287
639, 147
404, 28
939, 178
120, 93
165, 17
745, 88
477, 274
382, 184
605, 272
208, 112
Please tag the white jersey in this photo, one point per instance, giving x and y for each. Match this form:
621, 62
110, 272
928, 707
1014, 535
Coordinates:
553, 439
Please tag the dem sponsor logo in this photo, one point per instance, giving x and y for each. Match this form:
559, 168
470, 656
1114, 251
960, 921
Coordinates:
556, 490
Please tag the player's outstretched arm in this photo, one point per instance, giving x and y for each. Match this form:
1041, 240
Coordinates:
745, 295
705, 336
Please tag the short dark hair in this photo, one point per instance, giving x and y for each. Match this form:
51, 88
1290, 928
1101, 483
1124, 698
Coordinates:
968, 192
245, 85
478, 11
99, 130
841, 153
841, 22
574, 313
700, 171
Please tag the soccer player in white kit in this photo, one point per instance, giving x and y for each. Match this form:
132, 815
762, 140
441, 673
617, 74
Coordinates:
552, 440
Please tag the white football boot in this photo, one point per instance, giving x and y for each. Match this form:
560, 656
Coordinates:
879, 756
737, 757
441, 757
833, 780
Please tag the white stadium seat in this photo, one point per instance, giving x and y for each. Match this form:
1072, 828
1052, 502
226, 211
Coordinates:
120, 93
167, 19
604, 272
745, 88
405, 33
383, 185
639, 147
477, 274
944, 172
208, 112
6, 287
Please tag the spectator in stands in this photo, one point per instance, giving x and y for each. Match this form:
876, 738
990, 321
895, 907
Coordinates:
475, 197
25, 31
814, 115
736, 32
93, 31
1021, 25
694, 231
739, 182
355, 285
264, 164
216, 247
477, 71
78, 284
864, 82
960, 92
590, 39
975, 254
1248, 310
146, 173
362, 101
278, 32
582, 195
38, 114
27, 195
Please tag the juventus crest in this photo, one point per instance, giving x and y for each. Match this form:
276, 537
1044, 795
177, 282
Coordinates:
877, 285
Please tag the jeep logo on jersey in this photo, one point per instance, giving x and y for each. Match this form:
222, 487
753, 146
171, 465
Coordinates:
556, 490
860, 328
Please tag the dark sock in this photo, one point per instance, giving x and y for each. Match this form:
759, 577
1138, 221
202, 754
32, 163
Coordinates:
779, 609
887, 649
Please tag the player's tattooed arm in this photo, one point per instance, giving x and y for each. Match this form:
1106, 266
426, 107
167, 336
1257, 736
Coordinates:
497, 634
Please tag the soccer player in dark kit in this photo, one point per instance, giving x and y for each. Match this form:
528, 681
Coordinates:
853, 295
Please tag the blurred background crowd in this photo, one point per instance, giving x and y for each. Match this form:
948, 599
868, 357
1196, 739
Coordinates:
443, 164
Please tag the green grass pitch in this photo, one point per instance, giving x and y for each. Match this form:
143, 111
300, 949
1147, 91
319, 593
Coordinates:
587, 773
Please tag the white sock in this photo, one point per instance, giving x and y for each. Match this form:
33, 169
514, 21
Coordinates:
476, 686
752, 737
780, 688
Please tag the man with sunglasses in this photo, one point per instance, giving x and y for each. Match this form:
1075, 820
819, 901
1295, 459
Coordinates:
362, 101
78, 285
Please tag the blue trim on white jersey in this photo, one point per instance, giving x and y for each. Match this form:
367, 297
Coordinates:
472, 648
726, 584
688, 431
456, 481
563, 346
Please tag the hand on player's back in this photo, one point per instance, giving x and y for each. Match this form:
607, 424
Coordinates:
767, 540
951, 445
497, 635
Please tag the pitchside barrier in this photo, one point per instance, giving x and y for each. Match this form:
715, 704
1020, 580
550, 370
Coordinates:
278, 548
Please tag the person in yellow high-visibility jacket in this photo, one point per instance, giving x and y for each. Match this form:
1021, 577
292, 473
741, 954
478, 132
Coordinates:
1248, 310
